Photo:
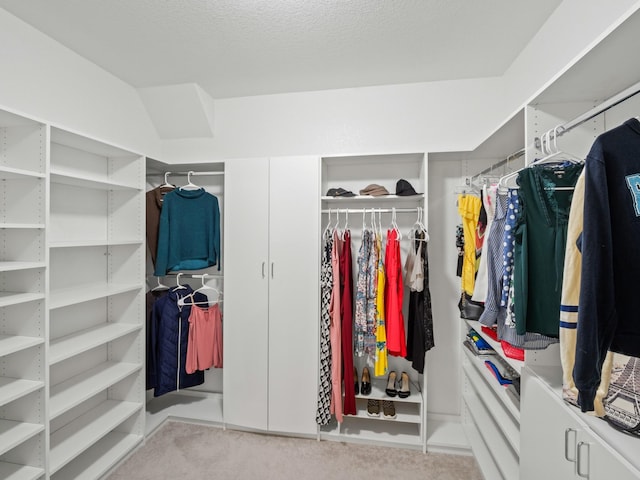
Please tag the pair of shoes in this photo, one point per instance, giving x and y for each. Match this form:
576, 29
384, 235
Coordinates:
366, 382
399, 387
373, 408
388, 409
404, 391
391, 385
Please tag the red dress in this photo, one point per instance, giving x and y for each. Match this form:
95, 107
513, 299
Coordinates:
346, 307
393, 296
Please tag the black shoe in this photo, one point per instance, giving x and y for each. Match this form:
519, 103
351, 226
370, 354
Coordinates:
366, 382
391, 385
356, 386
404, 391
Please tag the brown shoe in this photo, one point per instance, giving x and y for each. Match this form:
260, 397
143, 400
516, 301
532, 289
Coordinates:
388, 409
373, 408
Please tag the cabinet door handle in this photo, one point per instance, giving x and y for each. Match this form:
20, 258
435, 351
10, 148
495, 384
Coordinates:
264, 264
566, 444
272, 269
579, 459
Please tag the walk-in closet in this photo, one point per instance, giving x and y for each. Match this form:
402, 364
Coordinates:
356, 224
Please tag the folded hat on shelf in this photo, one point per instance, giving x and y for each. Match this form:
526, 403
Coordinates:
374, 190
404, 188
339, 192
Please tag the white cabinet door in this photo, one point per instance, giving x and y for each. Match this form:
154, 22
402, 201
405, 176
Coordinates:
598, 461
246, 293
545, 426
294, 238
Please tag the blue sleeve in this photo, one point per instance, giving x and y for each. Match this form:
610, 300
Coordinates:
596, 315
164, 240
216, 232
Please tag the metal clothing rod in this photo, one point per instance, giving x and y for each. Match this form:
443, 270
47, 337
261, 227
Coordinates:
368, 210
513, 156
595, 111
193, 173
190, 275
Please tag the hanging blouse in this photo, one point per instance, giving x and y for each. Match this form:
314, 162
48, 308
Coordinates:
336, 332
381, 360
360, 322
396, 343
323, 415
346, 309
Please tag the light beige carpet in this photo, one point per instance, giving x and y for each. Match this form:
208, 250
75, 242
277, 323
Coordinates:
185, 451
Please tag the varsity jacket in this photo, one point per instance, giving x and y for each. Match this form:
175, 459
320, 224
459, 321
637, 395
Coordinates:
610, 285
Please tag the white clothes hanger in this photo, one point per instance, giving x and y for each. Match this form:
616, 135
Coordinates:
161, 286
190, 299
190, 185
327, 230
553, 153
394, 224
179, 286
166, 183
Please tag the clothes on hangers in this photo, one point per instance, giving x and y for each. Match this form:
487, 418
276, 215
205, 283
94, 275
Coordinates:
150, 299
323, 414
362, 283
481, 286
394, 293
204, 348
541, 235
336, 333
381, 365
610, 283
346, 314
371, 296
154, 199
189, 231
169, 343
469, 210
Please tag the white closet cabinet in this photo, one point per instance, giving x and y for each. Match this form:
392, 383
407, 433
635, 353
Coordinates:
271, 293
560, 442
96, 307
23, 329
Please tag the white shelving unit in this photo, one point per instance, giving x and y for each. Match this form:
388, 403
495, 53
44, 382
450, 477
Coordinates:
23, 313
354, 173
96, 305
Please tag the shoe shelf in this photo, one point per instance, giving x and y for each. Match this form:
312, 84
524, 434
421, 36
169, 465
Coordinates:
77, 436
13, 471
72, 392
15, 298
378, 391
99, 458
405, 411
14, 388
10, 173
14, 343
78, 342
14, 433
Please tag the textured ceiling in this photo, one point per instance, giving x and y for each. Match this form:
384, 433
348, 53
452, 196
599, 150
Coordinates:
251, 47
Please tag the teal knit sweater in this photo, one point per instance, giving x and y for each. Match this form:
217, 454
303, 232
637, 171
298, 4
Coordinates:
189, 231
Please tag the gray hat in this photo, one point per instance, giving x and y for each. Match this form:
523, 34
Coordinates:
374, 190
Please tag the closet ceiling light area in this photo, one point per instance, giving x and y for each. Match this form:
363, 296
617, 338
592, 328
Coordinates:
234, 48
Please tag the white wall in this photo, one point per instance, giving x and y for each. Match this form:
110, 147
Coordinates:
43, 80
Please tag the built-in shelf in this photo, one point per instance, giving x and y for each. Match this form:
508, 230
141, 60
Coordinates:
12, 266
505, 458
84, 293
70, 345
382, 200
477, 326
86, 181
72, 392
100, 458
378, 391
10, 173
405, 413
12, 471
22, 226
14, 433
14, 388
371, 430
14, 343
77, 436
478, 368
93, 243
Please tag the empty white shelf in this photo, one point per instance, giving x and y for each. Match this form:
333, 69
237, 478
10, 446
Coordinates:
10, 266
83, 293
93, 243
14, 388
97, 460
359, 430
72, 392
84, 340
77, 436
25, 226
13, 433
12, 173
12, 471
14, 298
68, 178
14, 343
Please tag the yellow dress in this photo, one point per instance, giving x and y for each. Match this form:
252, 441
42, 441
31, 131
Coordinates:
381, 365
469, 210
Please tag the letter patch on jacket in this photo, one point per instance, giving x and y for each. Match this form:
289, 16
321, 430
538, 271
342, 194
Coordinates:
633, 182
